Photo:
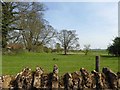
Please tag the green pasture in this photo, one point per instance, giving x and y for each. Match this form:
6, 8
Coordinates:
12, 64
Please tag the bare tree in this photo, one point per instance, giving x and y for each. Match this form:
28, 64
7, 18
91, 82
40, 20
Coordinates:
47, 34
58, 47
23, 22
68, 39
86, 48
77, 48
13, 14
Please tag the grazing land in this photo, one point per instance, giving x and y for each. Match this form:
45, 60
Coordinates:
12, 64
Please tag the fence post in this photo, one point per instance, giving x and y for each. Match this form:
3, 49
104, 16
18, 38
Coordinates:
97, 59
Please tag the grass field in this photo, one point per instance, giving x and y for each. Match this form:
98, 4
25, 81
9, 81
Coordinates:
12, 64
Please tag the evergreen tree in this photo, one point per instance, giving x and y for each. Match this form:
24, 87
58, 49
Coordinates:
114, 49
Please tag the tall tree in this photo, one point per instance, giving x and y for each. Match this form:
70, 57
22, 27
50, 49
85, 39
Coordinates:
114, 49
24, 22
8, 20
68, 39
36, 30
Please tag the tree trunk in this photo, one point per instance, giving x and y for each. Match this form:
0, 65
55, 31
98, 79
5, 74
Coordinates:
65, 50
4, 41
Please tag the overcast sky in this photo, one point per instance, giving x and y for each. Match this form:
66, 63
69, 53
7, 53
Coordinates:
96, 23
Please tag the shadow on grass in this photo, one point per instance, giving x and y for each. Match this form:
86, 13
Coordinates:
108, 56
66, 54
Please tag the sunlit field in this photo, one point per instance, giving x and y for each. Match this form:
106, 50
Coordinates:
12, 64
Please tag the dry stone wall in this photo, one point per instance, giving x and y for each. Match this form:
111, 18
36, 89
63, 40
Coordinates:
82, 79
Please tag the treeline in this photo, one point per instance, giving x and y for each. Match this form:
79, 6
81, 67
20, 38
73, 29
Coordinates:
24, 26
